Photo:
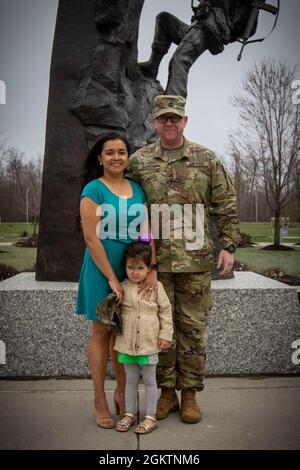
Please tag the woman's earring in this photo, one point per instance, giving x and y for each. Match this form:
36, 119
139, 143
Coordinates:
100, 163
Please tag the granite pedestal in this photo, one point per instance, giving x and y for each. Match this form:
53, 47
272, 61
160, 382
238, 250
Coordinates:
252, 327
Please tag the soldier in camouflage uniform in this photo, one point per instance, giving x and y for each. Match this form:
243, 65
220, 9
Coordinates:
175, 171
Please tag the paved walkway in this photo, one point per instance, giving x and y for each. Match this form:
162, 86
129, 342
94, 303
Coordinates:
238, 413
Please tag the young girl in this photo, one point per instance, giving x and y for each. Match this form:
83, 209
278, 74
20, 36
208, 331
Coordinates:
147, 329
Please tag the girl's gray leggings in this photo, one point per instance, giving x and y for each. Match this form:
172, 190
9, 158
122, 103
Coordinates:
131, 389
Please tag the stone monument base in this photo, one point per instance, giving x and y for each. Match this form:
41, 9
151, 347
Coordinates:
252, 326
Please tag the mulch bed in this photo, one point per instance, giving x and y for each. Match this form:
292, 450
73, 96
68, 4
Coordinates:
289, 280
278, 248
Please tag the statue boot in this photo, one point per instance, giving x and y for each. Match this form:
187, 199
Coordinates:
150, 68
190, 411
167, 403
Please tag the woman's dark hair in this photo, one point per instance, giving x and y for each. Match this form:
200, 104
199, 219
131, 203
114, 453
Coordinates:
92, 169
138, 250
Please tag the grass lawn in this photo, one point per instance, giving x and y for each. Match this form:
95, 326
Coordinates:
261, 261
262, 232
18, 257
258, 260
12, 232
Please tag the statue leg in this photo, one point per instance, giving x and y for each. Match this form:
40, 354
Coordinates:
191, 47
168, 29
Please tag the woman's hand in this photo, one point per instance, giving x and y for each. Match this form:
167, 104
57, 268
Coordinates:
116, 287
148, 286
163, 344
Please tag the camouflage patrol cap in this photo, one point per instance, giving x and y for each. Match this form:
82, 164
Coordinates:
109, 312
173, 104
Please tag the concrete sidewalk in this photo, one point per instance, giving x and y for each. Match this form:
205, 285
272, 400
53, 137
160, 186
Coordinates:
238, 413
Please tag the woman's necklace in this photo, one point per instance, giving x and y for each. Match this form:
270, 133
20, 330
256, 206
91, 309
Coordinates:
117, 188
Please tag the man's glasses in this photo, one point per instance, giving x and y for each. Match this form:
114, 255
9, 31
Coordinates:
173, 119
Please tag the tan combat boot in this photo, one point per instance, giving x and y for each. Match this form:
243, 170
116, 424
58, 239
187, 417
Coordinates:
167, 403
190, 411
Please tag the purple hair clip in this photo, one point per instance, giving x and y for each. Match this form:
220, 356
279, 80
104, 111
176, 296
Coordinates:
145, 238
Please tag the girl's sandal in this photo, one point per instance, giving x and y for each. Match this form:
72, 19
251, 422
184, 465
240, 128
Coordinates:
144, 428
125, 424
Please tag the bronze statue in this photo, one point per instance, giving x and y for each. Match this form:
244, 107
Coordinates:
215, 23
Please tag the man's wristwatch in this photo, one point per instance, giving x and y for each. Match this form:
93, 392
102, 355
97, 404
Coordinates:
154, 267
230, 248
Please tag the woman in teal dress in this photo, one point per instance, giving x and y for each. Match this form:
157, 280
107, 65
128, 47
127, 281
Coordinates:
109, 222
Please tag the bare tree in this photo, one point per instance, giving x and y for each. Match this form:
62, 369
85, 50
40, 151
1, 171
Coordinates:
33, 179
245, 172
293, 206
20, 185
272, 122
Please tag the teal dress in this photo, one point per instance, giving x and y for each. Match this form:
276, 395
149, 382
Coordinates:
120, 222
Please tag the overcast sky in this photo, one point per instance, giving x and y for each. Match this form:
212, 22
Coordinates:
26, 36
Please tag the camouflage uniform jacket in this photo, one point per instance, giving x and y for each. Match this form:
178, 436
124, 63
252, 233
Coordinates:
196, 176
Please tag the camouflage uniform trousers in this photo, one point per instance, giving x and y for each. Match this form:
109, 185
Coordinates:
183, 366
